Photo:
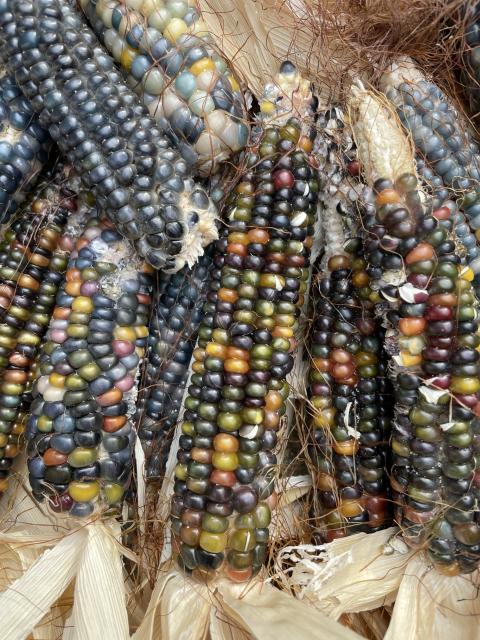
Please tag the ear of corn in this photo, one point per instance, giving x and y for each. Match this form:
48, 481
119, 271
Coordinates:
350, 425
27, 259
430, 315
24, 146
177, 311
348, 411
120, 153
45, 238
436, 383
224, 486
171, 63
79, 433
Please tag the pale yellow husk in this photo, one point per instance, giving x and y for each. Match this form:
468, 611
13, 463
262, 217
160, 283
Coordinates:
183, 609
256, 36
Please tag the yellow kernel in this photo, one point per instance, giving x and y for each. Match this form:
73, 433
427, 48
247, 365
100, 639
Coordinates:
127, 57
409, 360
174, 29
125, 333
83, 491
57, 380
199, 354
233, 83
141, 331
267, 107
467, 274
204, 64
82, 304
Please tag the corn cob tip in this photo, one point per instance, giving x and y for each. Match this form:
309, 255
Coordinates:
402, 70
289, 95
384, 150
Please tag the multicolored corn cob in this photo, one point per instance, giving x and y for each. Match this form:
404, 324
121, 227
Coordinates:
430, 316
224, 488
437, 390
28, 258
173, 65
80, 431
24, 146
117, 149
177, 313
347, 400
56, 202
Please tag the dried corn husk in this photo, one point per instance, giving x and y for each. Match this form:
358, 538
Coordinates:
256, 36
182, 609
366, 571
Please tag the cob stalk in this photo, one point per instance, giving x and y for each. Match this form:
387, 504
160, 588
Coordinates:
177, 306
137, 178
24, 147
80, 432
430, 312
171, 63
224, 487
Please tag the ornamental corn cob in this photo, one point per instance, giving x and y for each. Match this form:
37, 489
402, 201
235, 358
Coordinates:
28, 259
350, 425
16, 379
24, 146
177, 312
224, 485
171, 63
80, 431
431, 335
437, 392
116, 148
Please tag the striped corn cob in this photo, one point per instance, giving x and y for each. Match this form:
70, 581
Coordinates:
472, 55
24, 146
172, 64
224, 486
447, 152
80, 431
137, 178
429, 309
177, 307
17, 377
28, 259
